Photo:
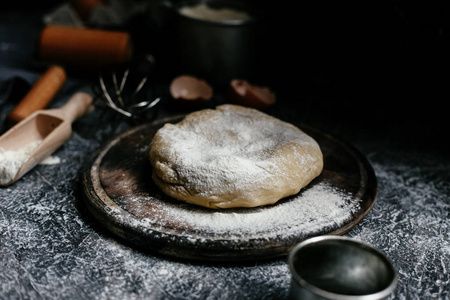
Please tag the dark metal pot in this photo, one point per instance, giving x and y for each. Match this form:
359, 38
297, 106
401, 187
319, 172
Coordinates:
214, 50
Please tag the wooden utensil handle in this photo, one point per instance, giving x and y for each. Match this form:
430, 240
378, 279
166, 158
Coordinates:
77, 106
83, 47
40, 95
84, 8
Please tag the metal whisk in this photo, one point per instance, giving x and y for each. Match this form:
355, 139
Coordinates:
126, 95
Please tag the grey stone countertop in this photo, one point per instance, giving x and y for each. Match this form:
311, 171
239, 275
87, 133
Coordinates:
51, 247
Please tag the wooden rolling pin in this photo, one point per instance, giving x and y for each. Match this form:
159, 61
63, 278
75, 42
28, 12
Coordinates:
40, 95
83, 47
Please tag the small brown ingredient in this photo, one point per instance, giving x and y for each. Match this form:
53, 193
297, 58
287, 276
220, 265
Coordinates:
190, 91
243, 93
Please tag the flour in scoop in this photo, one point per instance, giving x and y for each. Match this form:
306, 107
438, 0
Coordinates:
12, 160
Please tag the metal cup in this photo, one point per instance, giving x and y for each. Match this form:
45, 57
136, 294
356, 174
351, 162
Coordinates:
335, 267
214, 50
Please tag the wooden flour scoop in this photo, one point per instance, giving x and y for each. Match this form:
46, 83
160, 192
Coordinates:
32, 140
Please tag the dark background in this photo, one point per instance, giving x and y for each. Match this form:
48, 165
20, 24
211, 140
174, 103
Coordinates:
388, 58
368, 57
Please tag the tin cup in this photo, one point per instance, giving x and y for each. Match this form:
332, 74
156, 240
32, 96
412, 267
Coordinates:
216, 50
335, 267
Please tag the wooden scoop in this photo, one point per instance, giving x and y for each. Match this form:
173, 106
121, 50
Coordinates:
47, 129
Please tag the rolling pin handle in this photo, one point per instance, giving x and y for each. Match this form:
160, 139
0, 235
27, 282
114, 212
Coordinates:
40, 95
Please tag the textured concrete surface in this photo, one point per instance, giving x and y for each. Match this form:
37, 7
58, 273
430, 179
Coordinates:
51, 248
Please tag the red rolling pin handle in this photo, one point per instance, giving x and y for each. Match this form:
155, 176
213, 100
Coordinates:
40, 95
83, 47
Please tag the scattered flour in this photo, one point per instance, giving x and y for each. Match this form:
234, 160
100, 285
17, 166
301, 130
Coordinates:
318, 209
51, 160
11, 161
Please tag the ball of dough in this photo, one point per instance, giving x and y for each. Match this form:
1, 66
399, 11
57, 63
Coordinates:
233, 156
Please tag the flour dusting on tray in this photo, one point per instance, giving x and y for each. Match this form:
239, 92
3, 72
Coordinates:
320, 206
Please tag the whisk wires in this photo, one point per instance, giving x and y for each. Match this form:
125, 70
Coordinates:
123, 96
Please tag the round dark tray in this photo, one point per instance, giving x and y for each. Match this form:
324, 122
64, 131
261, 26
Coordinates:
122, 197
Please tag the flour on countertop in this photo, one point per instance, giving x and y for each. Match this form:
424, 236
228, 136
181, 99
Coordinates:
12, 160
51, 160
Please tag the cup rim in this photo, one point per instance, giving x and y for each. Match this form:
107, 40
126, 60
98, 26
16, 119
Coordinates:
330, 295
227, 23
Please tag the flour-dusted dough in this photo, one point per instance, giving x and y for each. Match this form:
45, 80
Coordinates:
233, 157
